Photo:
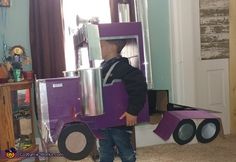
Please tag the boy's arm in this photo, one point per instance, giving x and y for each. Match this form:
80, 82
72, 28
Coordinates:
136, 88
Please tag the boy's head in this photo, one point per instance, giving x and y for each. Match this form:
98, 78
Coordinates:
112, 48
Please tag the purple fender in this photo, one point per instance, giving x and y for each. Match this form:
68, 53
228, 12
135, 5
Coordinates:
171, 119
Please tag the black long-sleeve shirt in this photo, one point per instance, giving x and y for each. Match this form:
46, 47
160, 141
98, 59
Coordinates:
133, 80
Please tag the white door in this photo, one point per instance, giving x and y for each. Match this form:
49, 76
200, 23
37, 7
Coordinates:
213, 88
207, 80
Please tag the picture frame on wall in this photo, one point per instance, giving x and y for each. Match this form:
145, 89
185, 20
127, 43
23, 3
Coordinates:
4, 3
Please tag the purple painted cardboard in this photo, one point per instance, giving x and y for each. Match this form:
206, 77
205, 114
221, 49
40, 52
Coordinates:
64, 102
62, 98
171, 119
126, 30
115, 100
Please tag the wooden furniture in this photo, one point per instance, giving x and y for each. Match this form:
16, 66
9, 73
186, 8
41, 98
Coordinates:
16, 118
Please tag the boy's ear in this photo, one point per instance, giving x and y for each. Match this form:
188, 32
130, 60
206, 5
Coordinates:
120, 44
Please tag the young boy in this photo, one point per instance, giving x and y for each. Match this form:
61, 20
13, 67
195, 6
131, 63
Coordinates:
136, 88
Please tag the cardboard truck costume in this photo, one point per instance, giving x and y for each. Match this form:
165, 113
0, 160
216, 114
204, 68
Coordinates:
72, 109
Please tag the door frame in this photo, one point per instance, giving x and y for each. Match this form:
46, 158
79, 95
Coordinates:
232, 65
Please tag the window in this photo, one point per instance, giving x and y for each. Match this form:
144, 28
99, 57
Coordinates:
85, 9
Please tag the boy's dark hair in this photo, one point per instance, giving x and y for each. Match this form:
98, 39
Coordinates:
120, 43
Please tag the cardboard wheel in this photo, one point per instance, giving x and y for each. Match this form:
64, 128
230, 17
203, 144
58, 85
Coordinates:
184, 132
208, 130
76, 141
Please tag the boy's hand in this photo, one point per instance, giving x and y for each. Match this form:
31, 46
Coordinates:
131, 120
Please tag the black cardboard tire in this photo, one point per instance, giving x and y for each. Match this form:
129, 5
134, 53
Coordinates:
184, 132
85, 145
208, 130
